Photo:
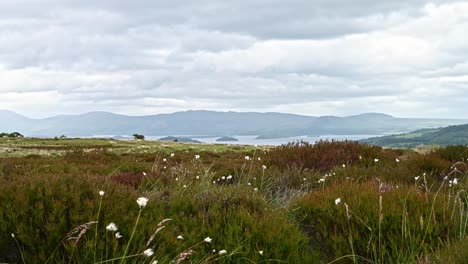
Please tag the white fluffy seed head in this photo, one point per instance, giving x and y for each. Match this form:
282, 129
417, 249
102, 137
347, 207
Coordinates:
101, 193
142, 201
149, 252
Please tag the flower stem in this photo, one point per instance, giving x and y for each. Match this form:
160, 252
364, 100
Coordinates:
131, 237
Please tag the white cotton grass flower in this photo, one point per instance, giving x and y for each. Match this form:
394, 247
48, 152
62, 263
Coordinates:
101, 193
222, 252
247, 158
112, 227
154, 262
256, 189
455, 181
197, 177
416, 178
149, 252
118, 235
164, 159
142, 201
259, 159
260, 252
376, 160
223, 178
144, 173
321, 180
229, 177
249, 184
397, 160
180, 237
337, 201
344, 165
185, 186
12, 235
207, 240
172, 154
197, 156
264, 167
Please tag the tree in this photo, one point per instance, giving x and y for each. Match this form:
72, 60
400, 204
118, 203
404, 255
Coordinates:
138, 136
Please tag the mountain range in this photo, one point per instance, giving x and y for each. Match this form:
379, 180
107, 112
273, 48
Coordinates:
265, 125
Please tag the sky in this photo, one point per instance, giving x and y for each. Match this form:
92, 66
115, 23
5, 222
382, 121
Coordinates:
407, 58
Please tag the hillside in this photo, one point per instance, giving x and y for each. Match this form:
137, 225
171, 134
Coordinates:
265, 125
452, 135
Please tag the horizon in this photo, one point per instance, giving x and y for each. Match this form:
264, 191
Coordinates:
314, 58
219, 111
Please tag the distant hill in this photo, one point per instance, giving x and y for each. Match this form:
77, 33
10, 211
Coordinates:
265, 125
452, 135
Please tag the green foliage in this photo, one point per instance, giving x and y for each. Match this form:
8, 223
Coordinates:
281, 209
138, 136
11, 135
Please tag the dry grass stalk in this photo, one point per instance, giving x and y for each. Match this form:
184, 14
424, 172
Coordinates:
80, 230
184, 255
158, 228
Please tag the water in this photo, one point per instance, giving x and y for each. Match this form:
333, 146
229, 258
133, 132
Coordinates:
251, 140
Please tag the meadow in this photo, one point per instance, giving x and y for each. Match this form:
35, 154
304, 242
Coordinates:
110, 201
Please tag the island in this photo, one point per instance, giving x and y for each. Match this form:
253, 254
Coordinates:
226, 139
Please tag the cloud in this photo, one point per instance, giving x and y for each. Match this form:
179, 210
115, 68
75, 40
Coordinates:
406, 58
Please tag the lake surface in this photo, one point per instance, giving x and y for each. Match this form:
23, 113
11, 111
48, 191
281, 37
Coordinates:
251, 140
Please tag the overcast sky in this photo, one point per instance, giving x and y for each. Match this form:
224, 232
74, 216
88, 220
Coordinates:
408, 58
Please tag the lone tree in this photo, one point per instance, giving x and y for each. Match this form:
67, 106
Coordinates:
138, 136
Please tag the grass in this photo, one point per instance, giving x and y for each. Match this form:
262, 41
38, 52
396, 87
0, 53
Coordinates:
269, 207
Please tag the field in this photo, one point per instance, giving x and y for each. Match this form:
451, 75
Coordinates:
332, 202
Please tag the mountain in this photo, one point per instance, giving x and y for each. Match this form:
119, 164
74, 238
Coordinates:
452, 135
265, 125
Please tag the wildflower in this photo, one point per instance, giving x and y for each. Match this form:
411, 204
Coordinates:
455, 181
164, 167
337, 201
223, 178
249, 184
180, 237
222, 252
304, 179
397, 160
144, 173
259, 159
264, 167
172, 154
376, 160
111, 227
247, 158
12, 235
360, 157
344, 165
118, 235
207, 240
445, 178
260, 252
198, 177
197, 156
229, 177
256, 189
450, 183
176, 179
149, 252
101, 193
185, 186
321, 180
154, 262
164, 159
416, 178
214, 182
142, 201
214, 250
